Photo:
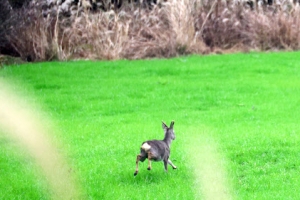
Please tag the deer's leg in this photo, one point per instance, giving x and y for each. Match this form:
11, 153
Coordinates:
170, 163
137, 164
166, 164
149, 160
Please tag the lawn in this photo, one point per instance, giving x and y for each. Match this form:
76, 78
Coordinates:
236, 124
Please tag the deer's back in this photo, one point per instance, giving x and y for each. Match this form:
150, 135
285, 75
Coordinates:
158, 148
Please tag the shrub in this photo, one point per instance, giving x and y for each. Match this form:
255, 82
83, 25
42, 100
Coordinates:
277, 30
171, 28
32, 35
5, 11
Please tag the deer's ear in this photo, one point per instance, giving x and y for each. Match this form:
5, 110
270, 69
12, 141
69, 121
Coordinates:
164, 126
172, 124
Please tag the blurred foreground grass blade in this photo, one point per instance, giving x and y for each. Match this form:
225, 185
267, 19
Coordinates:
22, 125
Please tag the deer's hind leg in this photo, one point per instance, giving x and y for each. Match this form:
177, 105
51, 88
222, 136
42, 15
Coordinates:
138, 158
141, 157
149, 160
166, 164
137, 165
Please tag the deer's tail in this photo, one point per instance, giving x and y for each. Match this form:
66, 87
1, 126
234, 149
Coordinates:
145, 146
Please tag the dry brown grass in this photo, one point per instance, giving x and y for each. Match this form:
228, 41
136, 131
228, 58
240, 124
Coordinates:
277, 30
95, 36
150, 35
132, 34
175, 27
221, 26
113, 35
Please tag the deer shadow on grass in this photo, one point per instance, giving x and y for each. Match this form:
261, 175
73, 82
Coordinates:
155, 176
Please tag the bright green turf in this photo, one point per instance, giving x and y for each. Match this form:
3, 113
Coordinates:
248, 103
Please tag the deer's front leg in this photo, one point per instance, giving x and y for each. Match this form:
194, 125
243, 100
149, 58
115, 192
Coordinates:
137, 164
170, 163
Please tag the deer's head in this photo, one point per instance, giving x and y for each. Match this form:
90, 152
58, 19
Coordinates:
169, 132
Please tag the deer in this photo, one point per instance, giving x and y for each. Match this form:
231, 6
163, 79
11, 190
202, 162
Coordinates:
157, 150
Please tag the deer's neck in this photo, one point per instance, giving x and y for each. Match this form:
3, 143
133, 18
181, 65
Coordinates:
167, 139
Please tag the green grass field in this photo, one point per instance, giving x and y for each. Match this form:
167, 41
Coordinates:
236, 124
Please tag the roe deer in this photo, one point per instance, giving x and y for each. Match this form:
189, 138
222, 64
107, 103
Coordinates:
157, 150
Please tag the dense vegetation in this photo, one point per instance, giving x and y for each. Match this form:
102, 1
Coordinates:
66, 30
